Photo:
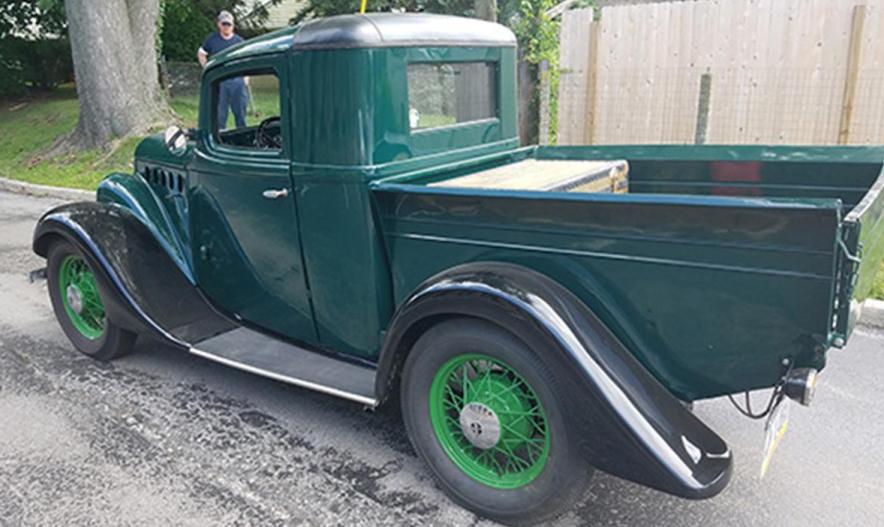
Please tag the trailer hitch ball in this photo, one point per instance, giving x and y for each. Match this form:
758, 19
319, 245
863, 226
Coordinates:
800, 385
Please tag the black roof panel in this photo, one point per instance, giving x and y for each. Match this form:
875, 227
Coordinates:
375, 30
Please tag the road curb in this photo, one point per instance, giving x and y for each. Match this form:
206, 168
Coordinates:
873, 314
45, 191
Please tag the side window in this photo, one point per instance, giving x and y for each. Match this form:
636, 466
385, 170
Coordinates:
443, 94
247, 111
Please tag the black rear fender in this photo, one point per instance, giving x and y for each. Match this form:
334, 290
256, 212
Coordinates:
632, 426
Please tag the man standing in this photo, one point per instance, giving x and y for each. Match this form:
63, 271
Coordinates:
232, 92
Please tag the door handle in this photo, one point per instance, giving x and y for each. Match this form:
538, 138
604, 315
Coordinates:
275, 193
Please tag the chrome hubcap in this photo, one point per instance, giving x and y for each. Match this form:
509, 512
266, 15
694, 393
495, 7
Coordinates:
75, 298
480, 425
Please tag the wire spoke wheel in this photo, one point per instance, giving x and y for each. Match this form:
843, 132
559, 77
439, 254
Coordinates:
489, 421
79, 295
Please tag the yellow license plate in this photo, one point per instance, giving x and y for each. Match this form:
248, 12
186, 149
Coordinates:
774, 430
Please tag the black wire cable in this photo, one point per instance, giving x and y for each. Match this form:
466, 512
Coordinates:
774, 396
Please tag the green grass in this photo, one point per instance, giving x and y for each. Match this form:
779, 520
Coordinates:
28, 128
434, 120
878, 286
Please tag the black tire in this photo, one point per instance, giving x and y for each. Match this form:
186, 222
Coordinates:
113, 342
564, 477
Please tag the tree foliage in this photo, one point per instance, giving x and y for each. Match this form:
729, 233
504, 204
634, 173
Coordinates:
33, 50
185, 24
538, 37
33, 19
184, 28
41, 64
538, 34
323, 8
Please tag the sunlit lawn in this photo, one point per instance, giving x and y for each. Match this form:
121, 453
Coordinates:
28, 128
878, 288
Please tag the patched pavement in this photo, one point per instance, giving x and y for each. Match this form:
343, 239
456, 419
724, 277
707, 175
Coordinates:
164, 438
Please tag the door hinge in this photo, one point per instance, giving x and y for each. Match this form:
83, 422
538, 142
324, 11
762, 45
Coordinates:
850, 269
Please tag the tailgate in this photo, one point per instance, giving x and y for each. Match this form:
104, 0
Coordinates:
861, 250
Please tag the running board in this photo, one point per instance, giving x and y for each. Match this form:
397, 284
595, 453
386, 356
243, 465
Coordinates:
257, 353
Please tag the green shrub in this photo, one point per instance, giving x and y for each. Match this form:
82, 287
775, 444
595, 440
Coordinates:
41, 64
11, 80
47, 63
185, 28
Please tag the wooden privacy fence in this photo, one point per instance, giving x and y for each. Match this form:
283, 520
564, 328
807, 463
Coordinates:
724, 71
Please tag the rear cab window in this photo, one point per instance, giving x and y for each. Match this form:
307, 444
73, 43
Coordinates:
450, 93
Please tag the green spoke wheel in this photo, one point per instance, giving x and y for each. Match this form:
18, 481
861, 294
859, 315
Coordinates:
79, 307
492, 416
79, 294
489, 421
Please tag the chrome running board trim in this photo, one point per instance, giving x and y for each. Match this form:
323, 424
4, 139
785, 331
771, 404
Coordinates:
368, 401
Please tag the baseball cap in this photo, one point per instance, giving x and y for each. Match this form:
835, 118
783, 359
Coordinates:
225, 16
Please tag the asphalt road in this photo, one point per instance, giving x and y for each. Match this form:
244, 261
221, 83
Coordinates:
165, 438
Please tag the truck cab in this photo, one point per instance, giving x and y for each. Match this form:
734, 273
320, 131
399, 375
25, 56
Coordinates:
375, 229
276, 213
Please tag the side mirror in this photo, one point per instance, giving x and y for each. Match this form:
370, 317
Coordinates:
175, 139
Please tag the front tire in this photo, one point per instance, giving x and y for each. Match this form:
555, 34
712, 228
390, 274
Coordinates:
79, 307
487, 415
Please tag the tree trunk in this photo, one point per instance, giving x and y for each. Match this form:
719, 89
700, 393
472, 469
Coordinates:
113, 44
486, 9
528, 115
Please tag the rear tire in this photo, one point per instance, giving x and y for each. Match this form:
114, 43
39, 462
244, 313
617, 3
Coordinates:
500, 443
79, 307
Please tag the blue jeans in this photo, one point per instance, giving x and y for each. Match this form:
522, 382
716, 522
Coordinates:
232, 96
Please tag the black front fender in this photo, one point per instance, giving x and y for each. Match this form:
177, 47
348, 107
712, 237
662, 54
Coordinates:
633, 427
143, 289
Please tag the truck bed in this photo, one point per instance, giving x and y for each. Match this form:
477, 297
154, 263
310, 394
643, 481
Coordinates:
719, 263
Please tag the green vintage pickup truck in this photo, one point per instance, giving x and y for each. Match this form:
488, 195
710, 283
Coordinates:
375, 232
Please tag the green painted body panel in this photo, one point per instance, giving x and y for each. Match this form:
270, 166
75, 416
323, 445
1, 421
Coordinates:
719, 263
161, 208
351, 126
851, 174
248, 256
711, 286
